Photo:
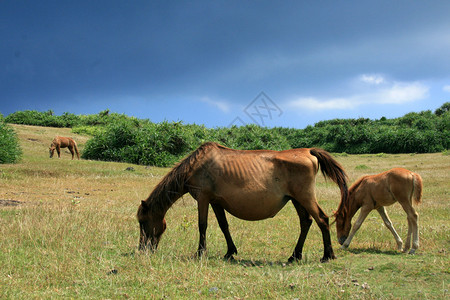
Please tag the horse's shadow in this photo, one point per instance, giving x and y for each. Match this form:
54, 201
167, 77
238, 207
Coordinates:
373, 251
248, 263
252, 263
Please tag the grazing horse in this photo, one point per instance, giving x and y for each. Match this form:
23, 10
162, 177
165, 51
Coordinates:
375, 192
63, 142
249, 184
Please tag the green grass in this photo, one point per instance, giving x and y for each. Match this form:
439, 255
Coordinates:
75, 235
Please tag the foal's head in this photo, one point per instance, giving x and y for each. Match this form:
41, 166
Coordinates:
343, 226
343, 219
152, 226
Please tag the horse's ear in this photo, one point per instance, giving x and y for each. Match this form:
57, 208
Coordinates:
144, 204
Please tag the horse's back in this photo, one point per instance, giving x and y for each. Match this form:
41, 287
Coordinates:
390, 186
64, 141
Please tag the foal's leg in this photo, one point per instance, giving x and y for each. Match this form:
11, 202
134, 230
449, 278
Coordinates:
305, 224
382, 211
362, 216
223, 223
413, 229
203, 206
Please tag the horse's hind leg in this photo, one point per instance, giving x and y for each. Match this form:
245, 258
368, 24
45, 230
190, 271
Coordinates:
71, 151
413, 229
305, 224
382, 211
223, 223
313, 208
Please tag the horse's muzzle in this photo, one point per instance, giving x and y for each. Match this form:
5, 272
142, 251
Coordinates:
151, 246
342, 240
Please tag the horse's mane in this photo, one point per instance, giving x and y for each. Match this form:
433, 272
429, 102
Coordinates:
172, 186
344, 206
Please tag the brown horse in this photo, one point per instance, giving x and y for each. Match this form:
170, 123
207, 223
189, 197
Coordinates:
250, 185
375, 192
63, 142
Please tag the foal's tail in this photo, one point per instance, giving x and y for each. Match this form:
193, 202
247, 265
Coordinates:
417, 191
332, 169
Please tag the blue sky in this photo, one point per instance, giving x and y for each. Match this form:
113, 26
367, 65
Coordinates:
274, 63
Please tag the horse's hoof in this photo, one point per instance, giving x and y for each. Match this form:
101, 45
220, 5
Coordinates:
293, 259
229, 258
327, 259
412, 251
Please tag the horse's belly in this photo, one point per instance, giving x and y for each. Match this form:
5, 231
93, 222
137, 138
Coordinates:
253, 207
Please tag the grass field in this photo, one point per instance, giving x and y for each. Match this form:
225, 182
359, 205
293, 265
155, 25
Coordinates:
68, 230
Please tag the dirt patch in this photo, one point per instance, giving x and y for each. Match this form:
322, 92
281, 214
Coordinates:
10, 202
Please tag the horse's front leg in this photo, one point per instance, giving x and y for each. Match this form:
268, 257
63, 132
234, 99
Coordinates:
362, 216
382, 211
203, 206
223, 223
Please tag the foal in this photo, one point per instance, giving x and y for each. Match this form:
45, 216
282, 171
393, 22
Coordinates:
375, 192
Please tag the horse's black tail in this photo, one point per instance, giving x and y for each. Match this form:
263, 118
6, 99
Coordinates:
332, 169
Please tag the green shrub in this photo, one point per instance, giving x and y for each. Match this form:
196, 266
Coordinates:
10, 151
88, 130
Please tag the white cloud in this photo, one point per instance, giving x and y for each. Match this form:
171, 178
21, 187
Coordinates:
222, 105
400, 93
389, 93
321, 104
446, 88
372, 79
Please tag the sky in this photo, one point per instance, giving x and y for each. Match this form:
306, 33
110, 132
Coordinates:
223, 63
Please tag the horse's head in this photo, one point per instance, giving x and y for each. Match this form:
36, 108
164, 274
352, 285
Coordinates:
51, 151
152, 226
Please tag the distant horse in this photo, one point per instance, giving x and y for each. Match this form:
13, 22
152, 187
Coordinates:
250, 185
375, 192
63, 142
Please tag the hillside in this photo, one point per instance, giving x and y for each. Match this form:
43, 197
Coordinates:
68, 230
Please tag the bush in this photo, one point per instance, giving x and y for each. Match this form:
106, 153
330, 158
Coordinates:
10, 151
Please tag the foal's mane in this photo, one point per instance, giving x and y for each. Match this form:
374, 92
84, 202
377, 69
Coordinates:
172, 186
344, 206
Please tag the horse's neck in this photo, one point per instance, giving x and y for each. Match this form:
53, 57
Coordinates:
163, 200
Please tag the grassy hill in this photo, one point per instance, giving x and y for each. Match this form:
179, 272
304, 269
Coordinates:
68, 230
